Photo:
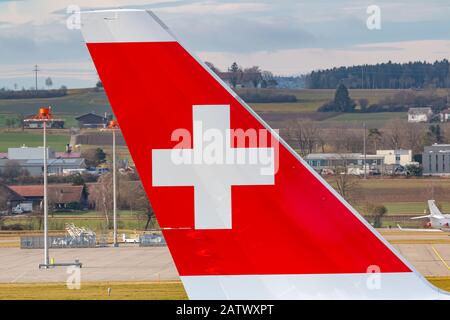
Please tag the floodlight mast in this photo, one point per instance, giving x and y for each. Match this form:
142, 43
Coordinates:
113, 126
44, 115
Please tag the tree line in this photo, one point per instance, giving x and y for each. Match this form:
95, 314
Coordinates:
383, 76
307, 137
32, 93
400, 101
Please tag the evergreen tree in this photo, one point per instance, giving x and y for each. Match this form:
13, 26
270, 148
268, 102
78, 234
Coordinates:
341, 103
435, 133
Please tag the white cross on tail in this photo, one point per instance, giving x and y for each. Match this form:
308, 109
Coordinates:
212, 167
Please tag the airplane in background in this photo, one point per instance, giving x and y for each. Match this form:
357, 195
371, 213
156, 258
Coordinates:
268, 229
437, 220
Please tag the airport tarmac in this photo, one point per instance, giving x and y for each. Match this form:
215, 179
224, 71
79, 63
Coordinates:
428, 252
125, 263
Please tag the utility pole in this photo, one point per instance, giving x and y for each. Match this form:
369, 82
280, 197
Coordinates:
364, 150
362, 77
36, 70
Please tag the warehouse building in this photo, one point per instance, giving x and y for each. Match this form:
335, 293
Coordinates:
436, 160
30, 161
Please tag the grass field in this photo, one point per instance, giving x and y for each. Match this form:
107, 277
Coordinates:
412, 207
76, 102
309, 100
401, 190
5, 116
95, 291
367, 117
408, 208
440, 282
31, 139
119, 291
80, 101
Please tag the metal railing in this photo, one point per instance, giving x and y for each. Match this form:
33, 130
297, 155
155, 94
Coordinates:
152, 240
37, 242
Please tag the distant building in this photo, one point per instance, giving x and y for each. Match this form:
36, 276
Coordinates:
35, 167
10, 198
444, 115
436, 159
397, 157
31, 160
27, 153
60, 196
92, 120
416, 115
354, 162
31, 123
67, 155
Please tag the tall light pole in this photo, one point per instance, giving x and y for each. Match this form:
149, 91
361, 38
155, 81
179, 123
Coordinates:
364, 149
46, 258
45, 115
114, 126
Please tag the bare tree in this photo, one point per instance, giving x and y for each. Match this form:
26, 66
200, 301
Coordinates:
413, 133
101, 196
49, 82
347, 185
212, 67
253, 75
375, 136
21, 118
305, 136
343, 138
394, 133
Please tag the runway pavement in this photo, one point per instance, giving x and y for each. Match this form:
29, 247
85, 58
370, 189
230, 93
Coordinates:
427, 252
425, 259
126, 263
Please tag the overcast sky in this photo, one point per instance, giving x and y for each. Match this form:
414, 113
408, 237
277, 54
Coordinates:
287, 37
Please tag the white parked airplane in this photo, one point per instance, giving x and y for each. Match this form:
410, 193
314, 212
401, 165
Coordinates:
438, 220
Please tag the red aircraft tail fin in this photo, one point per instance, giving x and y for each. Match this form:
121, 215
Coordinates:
243, 215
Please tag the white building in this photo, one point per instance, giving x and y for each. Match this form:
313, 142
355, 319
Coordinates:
327, 163
419, 115
396, 157
31, 160
27, 153
444, 116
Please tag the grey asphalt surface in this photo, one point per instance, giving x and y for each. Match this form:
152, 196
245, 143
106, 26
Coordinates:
133, 263
126, 263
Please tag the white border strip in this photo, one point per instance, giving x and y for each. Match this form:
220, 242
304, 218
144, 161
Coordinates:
110, 26
355, 286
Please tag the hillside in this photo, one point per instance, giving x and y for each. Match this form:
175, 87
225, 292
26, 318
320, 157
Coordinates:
81, 101
77, 102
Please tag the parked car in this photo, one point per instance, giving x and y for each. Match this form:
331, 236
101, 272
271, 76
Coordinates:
24, 207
